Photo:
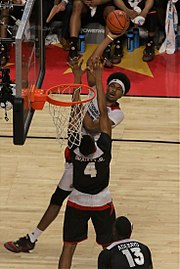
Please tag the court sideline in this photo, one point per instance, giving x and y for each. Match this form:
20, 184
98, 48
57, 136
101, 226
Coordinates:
144, 184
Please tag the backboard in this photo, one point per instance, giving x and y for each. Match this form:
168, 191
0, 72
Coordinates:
30, 67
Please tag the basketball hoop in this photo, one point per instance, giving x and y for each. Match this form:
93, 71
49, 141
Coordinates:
61, 109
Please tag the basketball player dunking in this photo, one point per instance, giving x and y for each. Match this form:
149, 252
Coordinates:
90, 197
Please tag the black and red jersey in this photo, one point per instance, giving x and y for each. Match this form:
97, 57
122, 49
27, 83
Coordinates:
125, 254
91, 174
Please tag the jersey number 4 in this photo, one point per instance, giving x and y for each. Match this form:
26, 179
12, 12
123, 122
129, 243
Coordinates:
134, 256
90, 169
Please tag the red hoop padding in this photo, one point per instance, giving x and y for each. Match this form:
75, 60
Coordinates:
40, 96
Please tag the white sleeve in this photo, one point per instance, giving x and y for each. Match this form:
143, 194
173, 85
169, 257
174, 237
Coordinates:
116, 116
66, 180
93, 109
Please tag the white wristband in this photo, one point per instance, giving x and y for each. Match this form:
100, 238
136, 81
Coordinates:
112, 39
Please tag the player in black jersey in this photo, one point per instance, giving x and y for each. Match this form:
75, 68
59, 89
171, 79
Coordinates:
90, 197
125, 253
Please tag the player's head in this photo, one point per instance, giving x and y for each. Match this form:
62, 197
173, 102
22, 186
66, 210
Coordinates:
122, 228
87, 145
118, 84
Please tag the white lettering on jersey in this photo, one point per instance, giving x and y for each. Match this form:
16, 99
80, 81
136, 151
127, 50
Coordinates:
85, 159
93, 109
128, 245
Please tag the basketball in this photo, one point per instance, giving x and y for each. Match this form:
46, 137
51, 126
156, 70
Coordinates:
117, 21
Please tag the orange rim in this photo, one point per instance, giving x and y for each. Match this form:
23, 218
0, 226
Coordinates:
56, 89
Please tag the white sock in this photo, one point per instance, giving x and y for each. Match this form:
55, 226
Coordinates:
34, 235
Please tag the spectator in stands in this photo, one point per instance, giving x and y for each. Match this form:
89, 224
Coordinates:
149, 21
60, 11
161, 7
125, 252
5, 17
84, 12
161, 11
161, 17
8, 17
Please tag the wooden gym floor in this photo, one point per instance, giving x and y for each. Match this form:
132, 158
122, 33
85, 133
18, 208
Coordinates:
144, 185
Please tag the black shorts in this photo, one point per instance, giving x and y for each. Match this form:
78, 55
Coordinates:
98, 17
76, 224
141, 4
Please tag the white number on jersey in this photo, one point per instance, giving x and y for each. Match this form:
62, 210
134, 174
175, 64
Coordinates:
133, 261
90, 169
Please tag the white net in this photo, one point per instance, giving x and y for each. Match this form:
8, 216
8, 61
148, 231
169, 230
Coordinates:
68, 116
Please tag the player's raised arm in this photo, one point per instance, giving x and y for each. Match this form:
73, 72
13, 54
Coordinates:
75, 118
77, 72
97, 53
104, 122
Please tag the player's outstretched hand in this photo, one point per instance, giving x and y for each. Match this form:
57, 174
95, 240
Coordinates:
94, 63
76, 67
97, 66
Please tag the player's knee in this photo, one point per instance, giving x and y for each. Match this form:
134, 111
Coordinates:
59, 196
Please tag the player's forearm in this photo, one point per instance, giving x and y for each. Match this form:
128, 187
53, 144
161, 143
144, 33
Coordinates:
76, 95
104, 121
101, 47
77, 79
92, 126
120, 4
148, 5
97, 54
101, 99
